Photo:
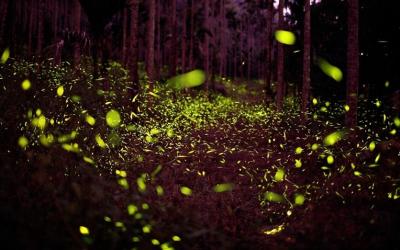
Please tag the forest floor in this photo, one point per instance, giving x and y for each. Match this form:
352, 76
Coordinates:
192, 172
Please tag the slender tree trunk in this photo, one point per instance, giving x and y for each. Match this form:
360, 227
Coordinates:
222, 65
133, 44
3, 18
206, 42
192, 9
352, 62
173, 40
55, 20
158, 58
124, 35
150, 42
77, 31
305, 93
280, 64
268, 68
40, 11
184, 37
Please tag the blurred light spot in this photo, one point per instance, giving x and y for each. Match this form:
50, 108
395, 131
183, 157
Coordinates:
26, 84
23, 142
299, 199
132, 209
5, 56
90, 120
100, 141
372, 146
279, 175
113, 118
186, 191
298, 163
330, 70
60, 90
330, 160
271, 196
285, 37
298, 150
84, 230
223, 187
274, 230
333, 138
188, 80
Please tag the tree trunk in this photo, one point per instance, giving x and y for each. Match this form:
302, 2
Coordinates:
40, 12
150, 42
77, 31
206, 42
222, 65
268, 68
133, 44
184, 37
173, 44
352, 62
124, 35
158, 59
192, 9
305, 93
3, 18
280, 64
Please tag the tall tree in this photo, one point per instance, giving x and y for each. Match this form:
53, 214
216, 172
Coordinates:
191, 41
133, 6
306, 59
352, 62
173, 40
280, 62
268, 70
206, 41
150, 41
184, 37
3, 16
40, 16
77, 30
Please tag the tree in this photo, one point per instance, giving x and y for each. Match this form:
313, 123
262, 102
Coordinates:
206, 41
133, 6
77, 30
268, 68
150, 41
305, 93
184, 37
352, 62
3, 16
173, 40
280, 62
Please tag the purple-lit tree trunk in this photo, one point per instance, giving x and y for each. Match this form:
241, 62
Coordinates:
268, 68
206, 42
158, 59
124, 35
77, 30
150, 42
352, 62
223, 27
184, 37
305, 93
191, 42
280, 63
3, 16
173, 40
40, 16
133, 43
